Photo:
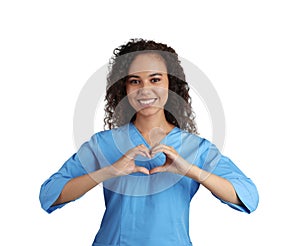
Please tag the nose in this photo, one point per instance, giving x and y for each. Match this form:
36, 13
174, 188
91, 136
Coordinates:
145, 88
144, 91
145, 84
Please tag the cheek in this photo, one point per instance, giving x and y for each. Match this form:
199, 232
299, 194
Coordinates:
130, 91
162, 92
127, 90
131, 95
166, 89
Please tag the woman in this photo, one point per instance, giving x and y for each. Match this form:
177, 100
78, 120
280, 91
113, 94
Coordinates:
151, 161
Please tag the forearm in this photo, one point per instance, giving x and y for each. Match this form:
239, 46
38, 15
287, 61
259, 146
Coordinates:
219, 186
78, 186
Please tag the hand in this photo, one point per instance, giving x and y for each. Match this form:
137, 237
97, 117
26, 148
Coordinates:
174, 162
126, 164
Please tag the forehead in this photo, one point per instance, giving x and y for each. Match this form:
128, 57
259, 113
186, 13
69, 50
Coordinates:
147, 62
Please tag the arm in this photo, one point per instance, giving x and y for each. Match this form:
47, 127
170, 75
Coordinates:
219, 186
218, 175
78, 186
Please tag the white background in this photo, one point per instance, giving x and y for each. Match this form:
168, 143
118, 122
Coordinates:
249, 50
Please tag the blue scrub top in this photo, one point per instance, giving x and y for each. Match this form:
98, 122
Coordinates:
147, 210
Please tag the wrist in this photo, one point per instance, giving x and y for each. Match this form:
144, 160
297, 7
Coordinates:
111, 171
197, 174
104, 174
191, 172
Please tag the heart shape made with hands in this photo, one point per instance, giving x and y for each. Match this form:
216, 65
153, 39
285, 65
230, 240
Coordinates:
156, 135
174, 163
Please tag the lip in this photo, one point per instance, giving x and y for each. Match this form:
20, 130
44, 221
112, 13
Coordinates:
146, 102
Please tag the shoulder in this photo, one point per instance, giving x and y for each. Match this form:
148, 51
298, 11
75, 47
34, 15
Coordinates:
192, 140
189, 145
107, 135
188, 137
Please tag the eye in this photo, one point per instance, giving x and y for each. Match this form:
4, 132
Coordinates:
155, 80
134, 82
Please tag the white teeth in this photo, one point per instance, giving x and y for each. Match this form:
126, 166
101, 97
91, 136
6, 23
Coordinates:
146, 102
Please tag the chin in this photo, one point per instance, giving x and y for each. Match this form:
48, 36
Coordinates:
149, 111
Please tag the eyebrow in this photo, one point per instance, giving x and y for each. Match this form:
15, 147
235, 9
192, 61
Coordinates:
155, 74
151, 75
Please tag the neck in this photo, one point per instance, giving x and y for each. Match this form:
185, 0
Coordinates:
153, 128
146, 124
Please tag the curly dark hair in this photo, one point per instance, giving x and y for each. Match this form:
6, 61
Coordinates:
118, 111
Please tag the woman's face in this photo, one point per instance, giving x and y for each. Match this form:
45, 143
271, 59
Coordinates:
147, 84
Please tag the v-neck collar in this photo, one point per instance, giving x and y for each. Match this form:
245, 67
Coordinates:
135, 133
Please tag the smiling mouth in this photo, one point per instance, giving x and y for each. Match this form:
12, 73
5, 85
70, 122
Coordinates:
147, 102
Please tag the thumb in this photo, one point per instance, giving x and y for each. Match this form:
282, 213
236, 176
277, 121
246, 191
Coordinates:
157, 170
139, 169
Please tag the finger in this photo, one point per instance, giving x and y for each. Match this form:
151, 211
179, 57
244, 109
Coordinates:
142, 152
139, 169
169, 151
138, 150
143, 149
157, 148
163, 147
158, 170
